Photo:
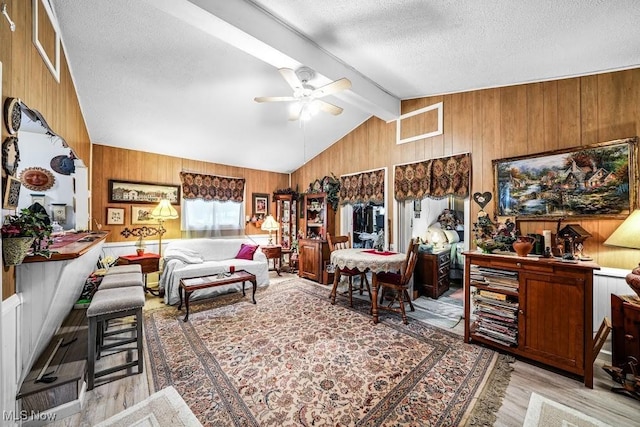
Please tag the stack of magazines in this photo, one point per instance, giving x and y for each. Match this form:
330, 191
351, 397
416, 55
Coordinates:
496, 313
494, 278
497, 319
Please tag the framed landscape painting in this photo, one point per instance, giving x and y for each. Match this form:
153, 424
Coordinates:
142, 192
595, 180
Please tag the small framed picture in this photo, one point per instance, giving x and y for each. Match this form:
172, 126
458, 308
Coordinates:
11, 193
38, 198
142, 215
59, 212
260, 204
115, 216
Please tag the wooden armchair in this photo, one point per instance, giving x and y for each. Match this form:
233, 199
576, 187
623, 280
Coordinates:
399, 283
344, 242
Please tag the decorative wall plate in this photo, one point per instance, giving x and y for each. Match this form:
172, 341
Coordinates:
10, 155
62, 164
37, 179
12, 115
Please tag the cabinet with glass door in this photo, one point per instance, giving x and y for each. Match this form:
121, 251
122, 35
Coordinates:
286, 215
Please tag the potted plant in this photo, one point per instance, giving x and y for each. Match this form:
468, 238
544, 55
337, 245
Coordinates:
22, 231
140, 246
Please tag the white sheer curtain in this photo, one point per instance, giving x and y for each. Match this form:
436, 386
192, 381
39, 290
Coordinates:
209, 218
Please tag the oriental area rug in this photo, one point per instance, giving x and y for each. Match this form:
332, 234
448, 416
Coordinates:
295, 359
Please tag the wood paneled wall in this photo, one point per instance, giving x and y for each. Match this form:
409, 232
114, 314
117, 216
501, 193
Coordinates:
148, 167
26, 76
499, 123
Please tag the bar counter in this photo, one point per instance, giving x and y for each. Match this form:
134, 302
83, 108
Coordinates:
69, 246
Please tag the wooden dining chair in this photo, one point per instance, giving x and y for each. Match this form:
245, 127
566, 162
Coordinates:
344, 242
398, 283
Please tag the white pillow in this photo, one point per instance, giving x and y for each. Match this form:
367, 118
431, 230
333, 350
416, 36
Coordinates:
452, 236
433, 229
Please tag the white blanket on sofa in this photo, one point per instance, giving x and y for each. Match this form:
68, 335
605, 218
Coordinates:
204, 257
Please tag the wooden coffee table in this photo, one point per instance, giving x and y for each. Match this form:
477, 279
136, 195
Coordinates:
194, 283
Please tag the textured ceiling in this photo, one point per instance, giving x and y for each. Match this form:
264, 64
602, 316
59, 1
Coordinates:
178, 77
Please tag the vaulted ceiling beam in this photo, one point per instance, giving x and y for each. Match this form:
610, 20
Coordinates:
254, 31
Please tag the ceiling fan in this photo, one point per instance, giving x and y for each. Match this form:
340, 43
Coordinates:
307, 96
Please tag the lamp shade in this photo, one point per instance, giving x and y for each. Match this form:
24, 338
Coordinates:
627, 235
270, 224
164, 211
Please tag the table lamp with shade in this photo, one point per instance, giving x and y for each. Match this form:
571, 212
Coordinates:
270, 225
163, 212
627, 235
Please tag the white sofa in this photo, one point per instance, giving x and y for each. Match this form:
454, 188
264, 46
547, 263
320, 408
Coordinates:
204, 257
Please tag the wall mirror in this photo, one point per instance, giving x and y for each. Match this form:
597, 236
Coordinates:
363, 210
50, 172
368, 220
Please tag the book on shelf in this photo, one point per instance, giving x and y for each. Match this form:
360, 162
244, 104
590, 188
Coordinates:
499, 287
509, 341
497, 272
496, 311
509, 305
504, 319
493, 295
497, 326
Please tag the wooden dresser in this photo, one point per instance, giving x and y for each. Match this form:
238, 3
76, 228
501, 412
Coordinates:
625, 324
431, 277
543, 307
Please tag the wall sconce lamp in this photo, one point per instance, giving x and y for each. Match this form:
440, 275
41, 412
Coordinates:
162, 212
627, 235
270, 225
12, 25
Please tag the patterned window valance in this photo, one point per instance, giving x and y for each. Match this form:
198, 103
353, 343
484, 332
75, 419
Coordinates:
362, 187
212, 187
435, 178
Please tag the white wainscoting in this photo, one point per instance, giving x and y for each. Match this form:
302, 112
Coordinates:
11, 357
49, 290
607, 281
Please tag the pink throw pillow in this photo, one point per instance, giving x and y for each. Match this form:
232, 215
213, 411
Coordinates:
246, 252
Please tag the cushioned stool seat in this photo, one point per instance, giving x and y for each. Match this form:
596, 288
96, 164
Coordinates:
120, 269
110, 304
121, 280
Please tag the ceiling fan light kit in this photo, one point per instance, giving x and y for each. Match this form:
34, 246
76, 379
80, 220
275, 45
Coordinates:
306, 97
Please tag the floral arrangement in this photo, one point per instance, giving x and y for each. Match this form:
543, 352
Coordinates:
27, 223
490, 236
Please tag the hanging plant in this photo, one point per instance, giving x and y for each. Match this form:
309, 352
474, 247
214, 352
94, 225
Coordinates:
30, 225
331, 186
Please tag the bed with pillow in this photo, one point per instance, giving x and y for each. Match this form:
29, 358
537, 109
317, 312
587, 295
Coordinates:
454, 240
205, 257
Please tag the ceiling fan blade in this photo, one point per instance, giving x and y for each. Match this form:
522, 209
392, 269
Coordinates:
294, 113
333, 87
274, 98
328, 108
291, 77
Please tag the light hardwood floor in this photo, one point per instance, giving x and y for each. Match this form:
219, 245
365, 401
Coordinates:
617, 410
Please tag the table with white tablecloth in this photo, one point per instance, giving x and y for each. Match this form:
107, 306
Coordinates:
365, 260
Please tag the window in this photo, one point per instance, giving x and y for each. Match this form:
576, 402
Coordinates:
210, 218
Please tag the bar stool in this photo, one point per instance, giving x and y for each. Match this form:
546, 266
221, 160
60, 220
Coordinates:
120, 269
110, 304
121, 280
